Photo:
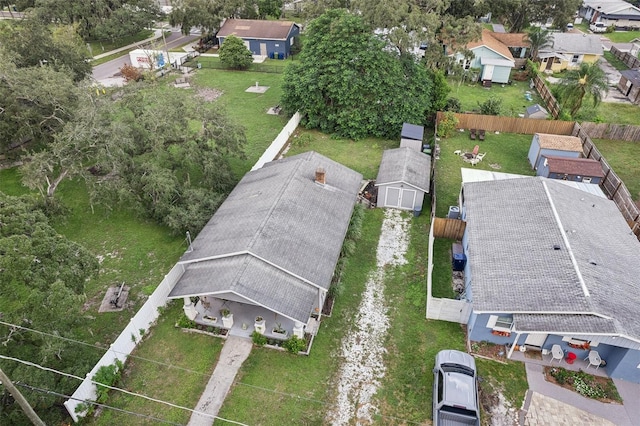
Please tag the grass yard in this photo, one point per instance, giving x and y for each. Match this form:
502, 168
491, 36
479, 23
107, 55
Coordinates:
512, 95
610, 113
269, 65
615, 62
248, 109
623, 158
97, 47
622, 36
171, 366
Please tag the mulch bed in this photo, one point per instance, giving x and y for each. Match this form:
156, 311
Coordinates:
604, 382
489, 350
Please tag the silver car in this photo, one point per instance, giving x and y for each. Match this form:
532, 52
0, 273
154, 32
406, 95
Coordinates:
455, 390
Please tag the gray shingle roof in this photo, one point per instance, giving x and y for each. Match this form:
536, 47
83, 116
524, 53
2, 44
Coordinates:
407, 166
570, 324
276, 231
575, 44
512, 230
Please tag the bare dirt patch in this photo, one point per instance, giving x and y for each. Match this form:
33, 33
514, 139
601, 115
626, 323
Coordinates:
208, 94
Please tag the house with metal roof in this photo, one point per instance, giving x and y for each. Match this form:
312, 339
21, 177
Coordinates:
619, 13
585, 170
491, 56
569, 50
403, 179
556, 145
549, 264
270, 250
271, 39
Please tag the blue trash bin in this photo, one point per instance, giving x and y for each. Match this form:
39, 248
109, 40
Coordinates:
417, 211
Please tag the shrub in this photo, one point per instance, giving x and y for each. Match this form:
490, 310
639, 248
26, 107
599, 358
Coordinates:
491, 106
258, 339
130, 73
453, 105
235, 54
107, 375
294, 344
447, 125
184, 322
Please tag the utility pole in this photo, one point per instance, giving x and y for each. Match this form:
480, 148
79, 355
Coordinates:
21, 400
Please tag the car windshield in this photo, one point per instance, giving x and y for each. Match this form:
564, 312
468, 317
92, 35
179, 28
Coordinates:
457, 368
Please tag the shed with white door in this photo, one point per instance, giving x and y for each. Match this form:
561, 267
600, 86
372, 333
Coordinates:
403, 179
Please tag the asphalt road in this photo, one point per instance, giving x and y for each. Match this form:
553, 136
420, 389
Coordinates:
111, 68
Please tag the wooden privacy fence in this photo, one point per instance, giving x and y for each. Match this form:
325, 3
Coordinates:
629, 60
448, 228
612, 185
549, 100
622, 132
527, 126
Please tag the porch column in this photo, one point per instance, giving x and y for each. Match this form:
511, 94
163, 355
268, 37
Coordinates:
513, 345
189, 310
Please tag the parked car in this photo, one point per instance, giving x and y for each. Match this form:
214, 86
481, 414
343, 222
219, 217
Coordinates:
598, 27
455, 390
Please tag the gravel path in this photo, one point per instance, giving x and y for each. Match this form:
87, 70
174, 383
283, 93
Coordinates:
363, 347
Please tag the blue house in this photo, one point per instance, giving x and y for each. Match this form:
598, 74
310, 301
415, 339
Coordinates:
556, 145
550, 264
271, 39
491, 57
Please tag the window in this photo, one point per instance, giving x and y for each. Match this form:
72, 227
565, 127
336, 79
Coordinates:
586, 180
440, 386
575, 59
465, 63
500, 324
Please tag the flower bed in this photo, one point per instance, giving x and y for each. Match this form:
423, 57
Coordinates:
595, 387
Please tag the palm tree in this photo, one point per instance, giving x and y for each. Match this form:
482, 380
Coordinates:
590, 80
538, 38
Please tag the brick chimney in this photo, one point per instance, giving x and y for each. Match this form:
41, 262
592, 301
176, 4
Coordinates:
320, 176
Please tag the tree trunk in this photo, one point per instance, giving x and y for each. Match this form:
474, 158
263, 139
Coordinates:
54, 185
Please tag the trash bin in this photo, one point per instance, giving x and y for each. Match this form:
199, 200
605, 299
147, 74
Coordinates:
417, 211
199, 65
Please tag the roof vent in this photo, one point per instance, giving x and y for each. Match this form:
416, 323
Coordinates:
593, 262
320, 176
556, 247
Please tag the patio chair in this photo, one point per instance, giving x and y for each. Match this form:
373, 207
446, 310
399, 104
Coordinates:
594, 359
557, 353
481, 134
479, 157
475, 150
472, 134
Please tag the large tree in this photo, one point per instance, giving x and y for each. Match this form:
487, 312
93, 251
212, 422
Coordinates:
517, 14
538, 38
587, 81
347, 83
209, 14
158, 151
42, 282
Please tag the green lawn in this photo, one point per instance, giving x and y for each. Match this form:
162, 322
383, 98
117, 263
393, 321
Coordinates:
97, 47
623, 158
512, 95
622, 36
269, 65
615, 62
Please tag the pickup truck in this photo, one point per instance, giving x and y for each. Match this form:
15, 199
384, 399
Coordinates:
598, 27
455, 390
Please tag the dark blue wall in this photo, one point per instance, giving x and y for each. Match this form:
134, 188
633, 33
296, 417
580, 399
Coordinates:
276, 47
623, 364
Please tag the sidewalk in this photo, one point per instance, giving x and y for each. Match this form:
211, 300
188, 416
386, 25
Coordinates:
157, 34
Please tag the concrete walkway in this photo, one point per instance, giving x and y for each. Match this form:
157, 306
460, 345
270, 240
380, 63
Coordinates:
234, 352
549, 404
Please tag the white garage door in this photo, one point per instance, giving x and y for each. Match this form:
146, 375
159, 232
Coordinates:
392, 197
400, 197
408, 199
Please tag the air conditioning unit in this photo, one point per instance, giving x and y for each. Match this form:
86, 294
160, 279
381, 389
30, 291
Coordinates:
454, 212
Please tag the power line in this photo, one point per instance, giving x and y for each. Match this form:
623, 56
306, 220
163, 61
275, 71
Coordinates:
148, 398
133, 413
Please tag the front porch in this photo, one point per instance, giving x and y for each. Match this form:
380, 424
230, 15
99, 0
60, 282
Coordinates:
578, 364
209, 309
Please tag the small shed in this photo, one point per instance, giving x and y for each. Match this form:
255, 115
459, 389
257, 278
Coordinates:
265, 38
556, 145
536, 111
403, 179
585, 170
411, 136
629, 85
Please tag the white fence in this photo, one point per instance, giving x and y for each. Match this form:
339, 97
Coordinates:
279, 142
438, 308
127, 340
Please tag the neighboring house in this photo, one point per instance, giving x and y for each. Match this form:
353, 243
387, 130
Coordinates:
556, 145
411, 136
517, 44
271, 248
491, 57
549, 264
618, 13
272, 39
629, 85
585, 170
569, 50
403, 179
536, 111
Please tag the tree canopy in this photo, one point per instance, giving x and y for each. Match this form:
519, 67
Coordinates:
234, 53
516, 15
589, 80
345, 82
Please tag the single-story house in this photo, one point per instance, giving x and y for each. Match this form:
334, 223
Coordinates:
629, 85
403, 179
536, 111
585, 170
618, 13
492, 57
271, 248
549, 264
569, 50
411, 136
557, 145
271, 39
